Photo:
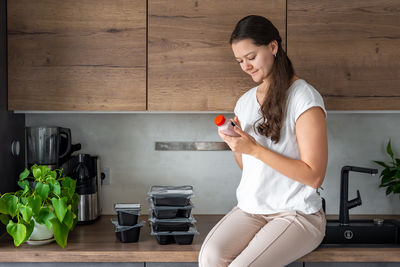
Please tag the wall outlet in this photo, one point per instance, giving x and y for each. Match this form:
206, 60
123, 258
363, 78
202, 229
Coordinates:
106, 176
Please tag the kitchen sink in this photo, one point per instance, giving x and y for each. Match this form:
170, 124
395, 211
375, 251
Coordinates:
374, 231
346, 232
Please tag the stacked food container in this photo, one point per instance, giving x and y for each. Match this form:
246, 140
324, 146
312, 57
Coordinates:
170, 214
127, 229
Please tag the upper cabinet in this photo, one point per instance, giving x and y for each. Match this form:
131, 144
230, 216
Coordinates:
174, 55
349, 50
191, 65
77, 55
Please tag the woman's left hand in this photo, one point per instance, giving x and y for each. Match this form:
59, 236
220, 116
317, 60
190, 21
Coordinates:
244, 144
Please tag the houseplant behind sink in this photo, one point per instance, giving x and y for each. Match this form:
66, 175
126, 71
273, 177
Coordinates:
47, 197
390, 175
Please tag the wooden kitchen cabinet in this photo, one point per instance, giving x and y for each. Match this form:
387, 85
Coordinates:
349, 50
77, 55
91, 55
191, 66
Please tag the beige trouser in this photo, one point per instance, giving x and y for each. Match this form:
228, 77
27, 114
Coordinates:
241, 239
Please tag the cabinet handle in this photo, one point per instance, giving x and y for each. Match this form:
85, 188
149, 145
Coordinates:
193, 146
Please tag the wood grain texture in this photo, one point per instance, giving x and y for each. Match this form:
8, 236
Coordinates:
348, 50
191, 64
98, 243
77, 55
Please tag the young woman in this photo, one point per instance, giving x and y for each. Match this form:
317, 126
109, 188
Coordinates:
282, 151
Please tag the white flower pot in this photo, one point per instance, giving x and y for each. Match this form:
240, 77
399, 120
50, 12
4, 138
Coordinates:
40, 232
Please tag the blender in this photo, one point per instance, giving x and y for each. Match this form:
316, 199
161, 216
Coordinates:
43, 145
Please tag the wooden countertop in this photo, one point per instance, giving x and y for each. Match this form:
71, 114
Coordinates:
98, 243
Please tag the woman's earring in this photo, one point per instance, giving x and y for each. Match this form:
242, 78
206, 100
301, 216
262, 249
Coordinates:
275, 55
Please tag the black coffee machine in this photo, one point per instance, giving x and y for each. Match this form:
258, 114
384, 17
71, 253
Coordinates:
85, 169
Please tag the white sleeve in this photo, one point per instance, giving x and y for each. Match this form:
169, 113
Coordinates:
306, 98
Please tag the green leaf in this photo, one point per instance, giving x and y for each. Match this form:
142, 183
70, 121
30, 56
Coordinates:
24, 200
37, 172
60, 232
75, 221
396, 188
386, 179
17, 231
68, 219
53, 174
75, 201
44, 170
3, 206
26, 212
60, 207
24, 184
388, 190
51, 180
388, 172
24, 174
68, 187
12, 205
383, 164
35, 202
57, 189
389, 149
65, 193
4, 219
43, 190
29, 229
45, 217
67, 182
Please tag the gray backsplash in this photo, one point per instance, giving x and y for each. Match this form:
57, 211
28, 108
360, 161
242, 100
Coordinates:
126, 145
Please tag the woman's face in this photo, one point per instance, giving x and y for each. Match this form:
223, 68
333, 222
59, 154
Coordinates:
257, 61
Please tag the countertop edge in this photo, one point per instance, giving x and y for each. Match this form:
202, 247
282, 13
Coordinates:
318, 255
97, 243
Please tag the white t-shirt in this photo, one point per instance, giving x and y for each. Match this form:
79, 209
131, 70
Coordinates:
262, 190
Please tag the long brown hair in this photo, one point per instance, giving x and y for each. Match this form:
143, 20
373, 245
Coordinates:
262, 32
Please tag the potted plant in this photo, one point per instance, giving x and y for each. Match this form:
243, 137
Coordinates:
47, 198
390, 175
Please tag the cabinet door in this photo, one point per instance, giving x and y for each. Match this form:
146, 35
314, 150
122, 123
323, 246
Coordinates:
349, 50
191, 66
11, 125
77, 55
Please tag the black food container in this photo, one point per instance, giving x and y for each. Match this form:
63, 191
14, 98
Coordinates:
178, 237
171, 195
128, 234
170, 225
170, 212
127, 213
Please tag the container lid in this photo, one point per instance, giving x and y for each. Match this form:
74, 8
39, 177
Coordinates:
153, 219
171, 191
154, 207
219, 120
192, 231
122, 228
132, 208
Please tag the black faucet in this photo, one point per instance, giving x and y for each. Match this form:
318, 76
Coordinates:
346, 204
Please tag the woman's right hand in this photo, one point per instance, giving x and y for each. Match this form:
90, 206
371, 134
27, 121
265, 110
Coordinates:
238, 155
235, 121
